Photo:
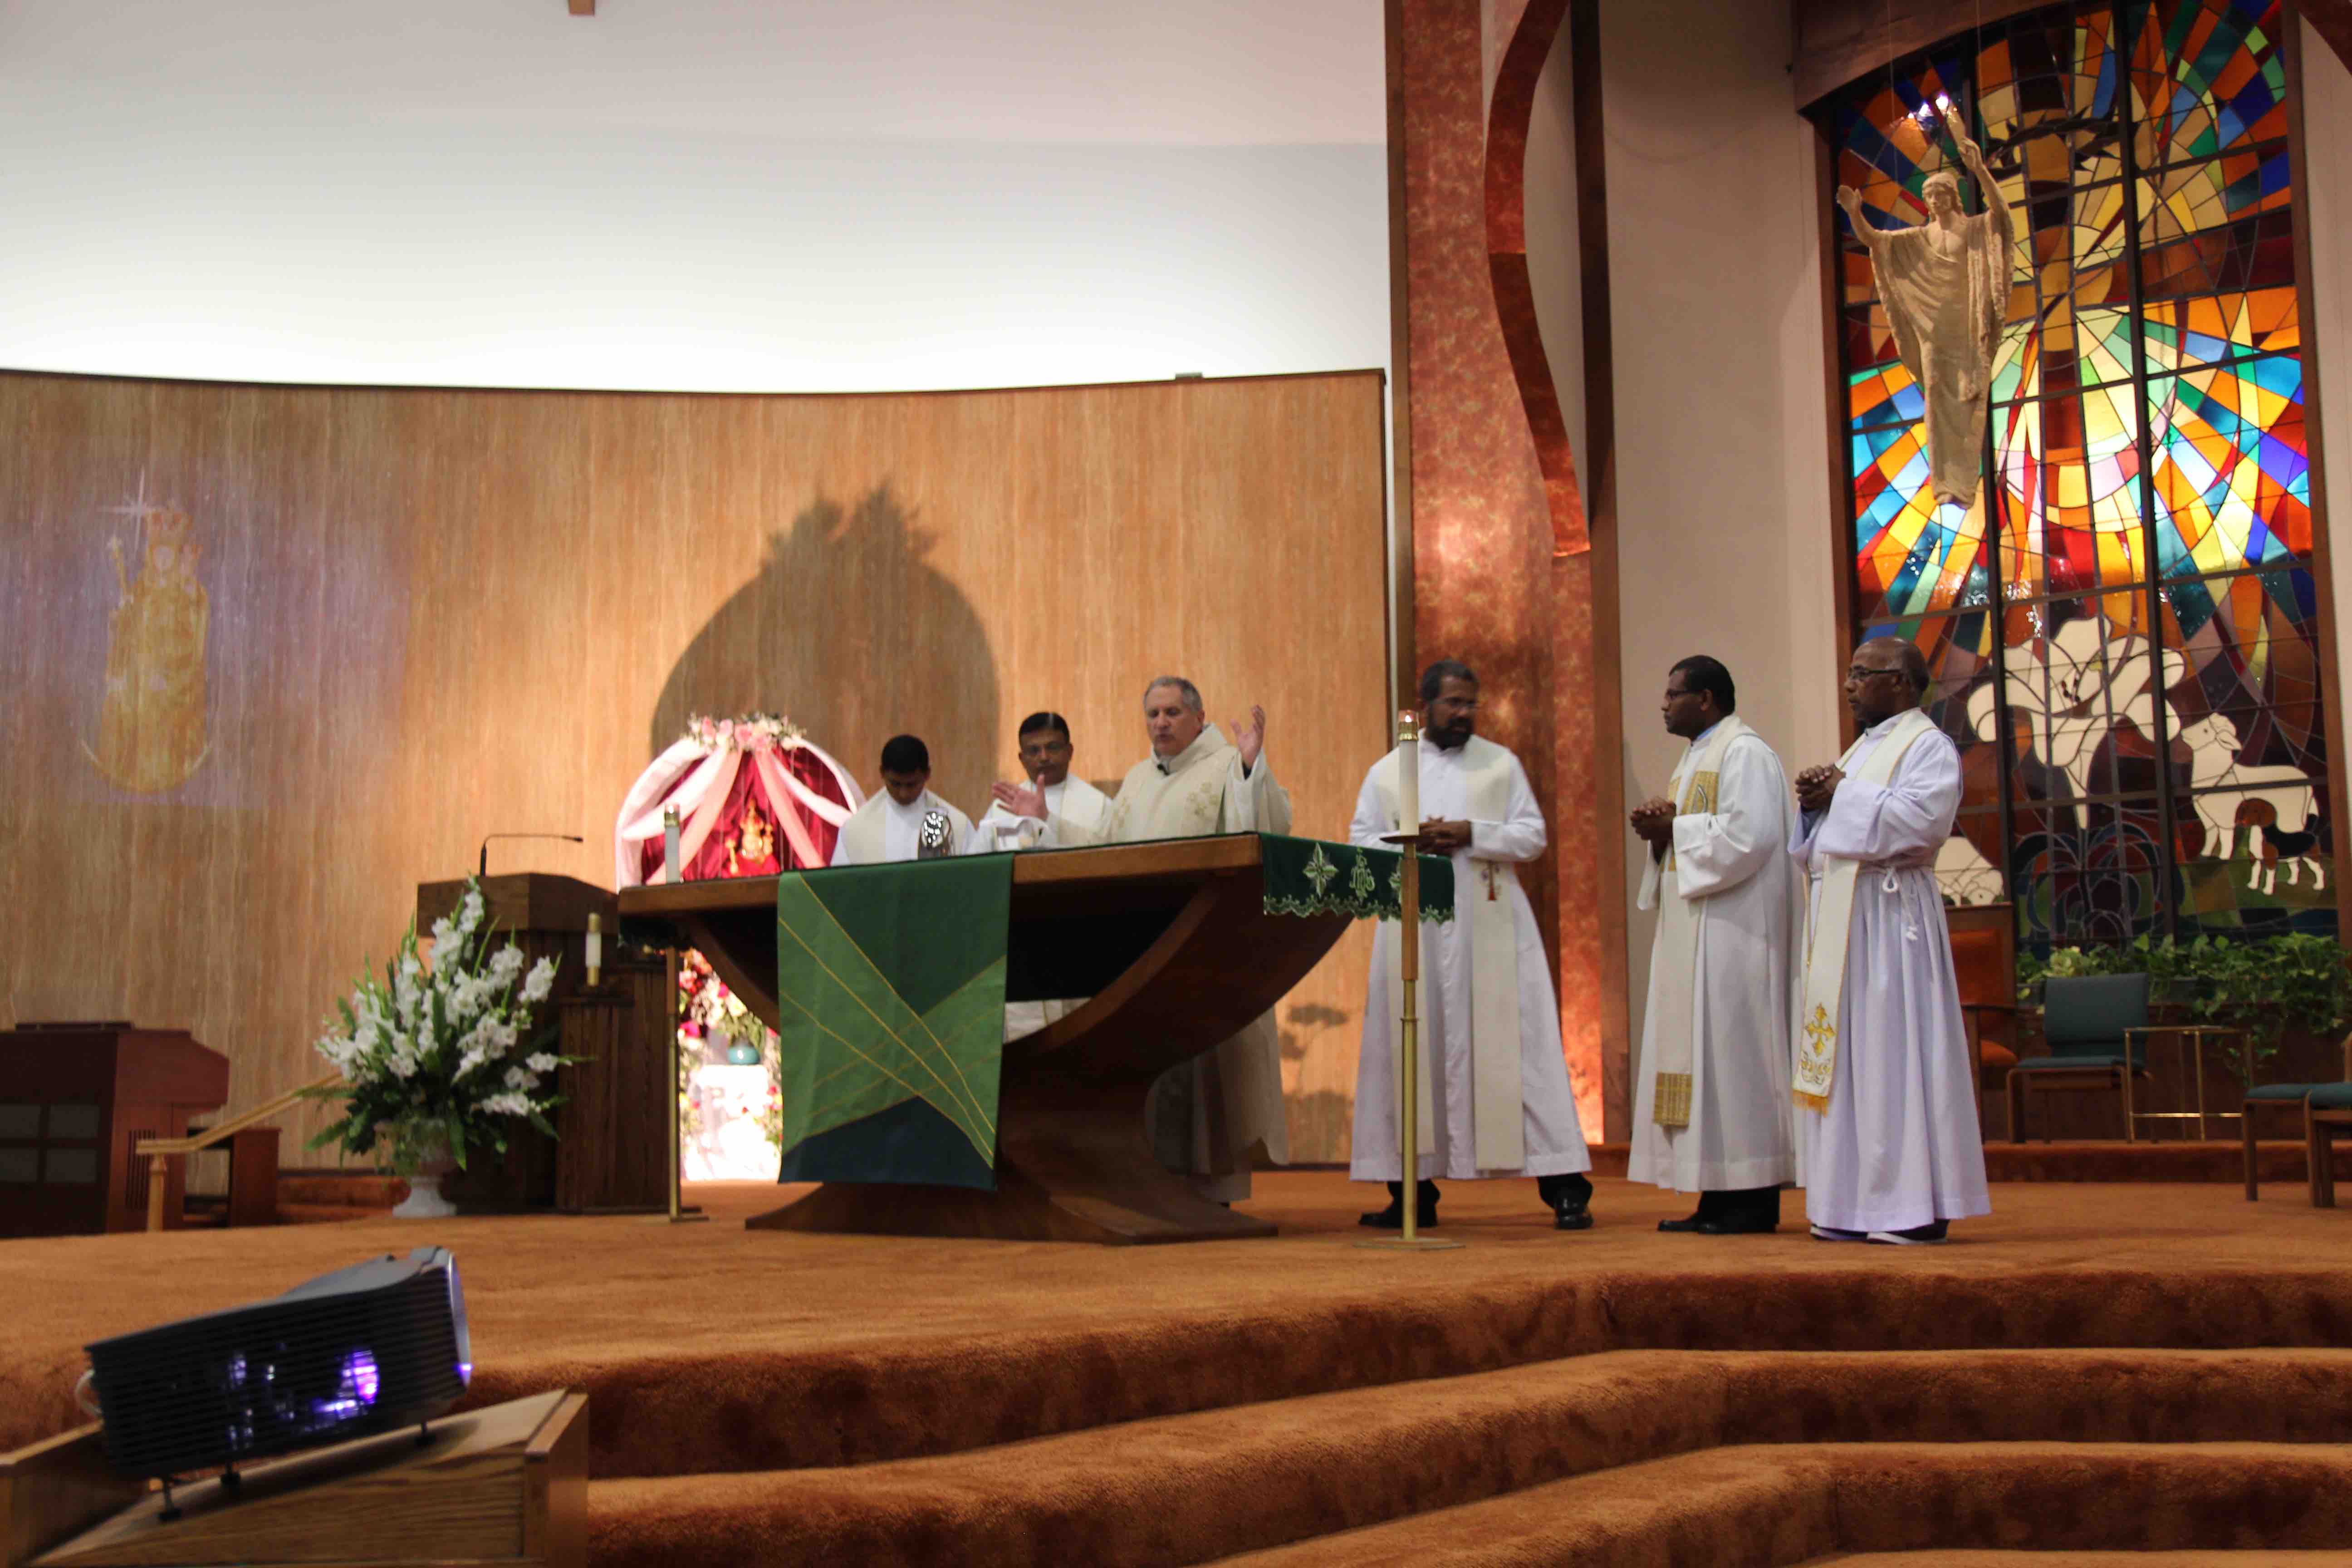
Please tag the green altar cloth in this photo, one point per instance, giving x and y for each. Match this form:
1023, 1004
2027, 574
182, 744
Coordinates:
890, 982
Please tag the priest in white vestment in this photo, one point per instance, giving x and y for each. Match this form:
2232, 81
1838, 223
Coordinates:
1196, 783
1711, 1112
1885, 1086
1045, 753
1495, 1095
889, 825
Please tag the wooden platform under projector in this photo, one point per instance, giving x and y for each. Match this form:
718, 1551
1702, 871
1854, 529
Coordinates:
504, 1486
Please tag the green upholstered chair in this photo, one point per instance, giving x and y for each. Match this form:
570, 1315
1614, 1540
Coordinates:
2325, 1110
2094, 1025
2324, 1107
2268, 1100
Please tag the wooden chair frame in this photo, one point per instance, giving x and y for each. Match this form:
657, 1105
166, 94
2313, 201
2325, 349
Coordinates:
2106, 1076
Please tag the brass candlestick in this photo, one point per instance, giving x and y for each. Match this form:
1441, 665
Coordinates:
1408, 843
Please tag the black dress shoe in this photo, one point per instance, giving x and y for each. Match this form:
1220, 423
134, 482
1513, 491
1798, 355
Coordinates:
1689, 1222
1739, 1225
1424, 1215
1572, 1216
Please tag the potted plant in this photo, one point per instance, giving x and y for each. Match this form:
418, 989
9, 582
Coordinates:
2265, 988
434, 1058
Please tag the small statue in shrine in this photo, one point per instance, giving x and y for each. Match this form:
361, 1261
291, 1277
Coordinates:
752, 852
151, 713
1944, 288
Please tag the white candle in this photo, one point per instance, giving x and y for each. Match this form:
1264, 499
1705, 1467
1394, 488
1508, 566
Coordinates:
595, 947
1409, 770
670, 867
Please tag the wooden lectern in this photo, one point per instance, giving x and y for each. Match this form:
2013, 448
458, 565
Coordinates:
612, 1127
75, 1099
1172, 943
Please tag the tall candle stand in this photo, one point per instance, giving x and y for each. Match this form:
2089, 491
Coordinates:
1408, 843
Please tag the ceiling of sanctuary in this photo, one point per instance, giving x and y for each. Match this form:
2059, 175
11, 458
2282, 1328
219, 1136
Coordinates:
1837, 41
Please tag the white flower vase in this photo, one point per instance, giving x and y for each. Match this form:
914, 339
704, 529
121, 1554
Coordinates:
425, 1200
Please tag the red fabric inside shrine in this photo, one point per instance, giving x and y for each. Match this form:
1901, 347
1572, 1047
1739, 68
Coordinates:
735, 848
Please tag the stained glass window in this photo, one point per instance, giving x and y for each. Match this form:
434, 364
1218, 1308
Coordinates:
2122, 627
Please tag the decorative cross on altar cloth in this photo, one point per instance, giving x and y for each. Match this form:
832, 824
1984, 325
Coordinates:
1319, 871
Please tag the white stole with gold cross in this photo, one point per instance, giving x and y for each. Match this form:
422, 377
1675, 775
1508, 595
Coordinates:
1695, 790
1819, 1018
1498, 1111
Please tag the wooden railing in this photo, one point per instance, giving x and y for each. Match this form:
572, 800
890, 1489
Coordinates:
159, 1151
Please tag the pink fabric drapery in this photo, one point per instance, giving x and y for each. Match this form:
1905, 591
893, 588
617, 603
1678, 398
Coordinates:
797, 786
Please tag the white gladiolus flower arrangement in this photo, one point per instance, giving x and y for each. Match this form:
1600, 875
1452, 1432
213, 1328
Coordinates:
436, 1059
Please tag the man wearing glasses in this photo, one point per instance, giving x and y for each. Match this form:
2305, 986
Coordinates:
1885, 1089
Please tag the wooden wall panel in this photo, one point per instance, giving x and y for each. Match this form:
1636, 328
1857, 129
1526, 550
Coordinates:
432, 615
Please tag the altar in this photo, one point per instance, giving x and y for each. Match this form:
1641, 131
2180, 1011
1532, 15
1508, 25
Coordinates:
1177, 944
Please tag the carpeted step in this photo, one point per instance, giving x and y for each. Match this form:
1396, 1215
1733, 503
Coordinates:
2216, 1559
1765, 1507
755, 1410
1182, 1489
323, 1214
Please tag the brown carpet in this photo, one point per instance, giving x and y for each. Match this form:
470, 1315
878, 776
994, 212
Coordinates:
1010, 1402
1763, 1507
1182, 1489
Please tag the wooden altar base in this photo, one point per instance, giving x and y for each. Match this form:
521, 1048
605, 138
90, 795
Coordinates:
1172, 946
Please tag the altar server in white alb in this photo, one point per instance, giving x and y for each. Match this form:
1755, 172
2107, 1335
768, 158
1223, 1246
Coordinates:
1711, 1112
1495, 1099
1045, 753
1196, 783
893, 824
1885, 1089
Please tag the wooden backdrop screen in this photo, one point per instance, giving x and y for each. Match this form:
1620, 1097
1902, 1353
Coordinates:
396, 620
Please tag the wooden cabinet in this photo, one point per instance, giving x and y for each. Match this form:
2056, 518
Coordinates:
75, 1098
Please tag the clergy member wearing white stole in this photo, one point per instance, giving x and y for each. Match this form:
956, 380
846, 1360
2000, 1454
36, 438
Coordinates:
1045, 753
1494, 1092
1884, 1085
1711, 1112
890, 825
1194, 783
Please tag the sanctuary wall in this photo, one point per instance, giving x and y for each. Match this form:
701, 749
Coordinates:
355, 630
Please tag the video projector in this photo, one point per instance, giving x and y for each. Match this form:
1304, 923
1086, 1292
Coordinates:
371, 1348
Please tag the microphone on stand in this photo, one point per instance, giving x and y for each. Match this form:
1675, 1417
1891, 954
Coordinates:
482, 861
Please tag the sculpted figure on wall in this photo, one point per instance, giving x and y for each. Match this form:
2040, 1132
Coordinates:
1944, 288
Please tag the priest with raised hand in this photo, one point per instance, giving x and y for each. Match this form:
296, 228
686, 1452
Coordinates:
1196, 783
1711, 1112
905, 821
1494, 1091
1045, 752
1884, 1081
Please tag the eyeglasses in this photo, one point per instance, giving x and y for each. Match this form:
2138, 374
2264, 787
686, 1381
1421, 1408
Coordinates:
1855, 672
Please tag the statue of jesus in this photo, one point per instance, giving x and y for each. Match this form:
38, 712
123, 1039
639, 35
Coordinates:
1945, 287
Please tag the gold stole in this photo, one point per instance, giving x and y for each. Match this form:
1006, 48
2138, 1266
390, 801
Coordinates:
1819, 1018
1672, 1047
1498, 1107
